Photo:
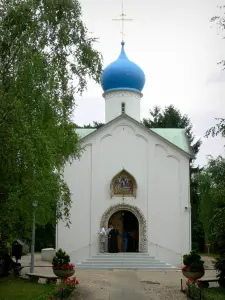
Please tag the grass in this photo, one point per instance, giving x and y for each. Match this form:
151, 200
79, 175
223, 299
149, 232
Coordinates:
20, 289
217, 293
210, 255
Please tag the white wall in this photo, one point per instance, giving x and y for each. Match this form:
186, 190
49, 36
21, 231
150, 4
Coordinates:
114, 99
162, 175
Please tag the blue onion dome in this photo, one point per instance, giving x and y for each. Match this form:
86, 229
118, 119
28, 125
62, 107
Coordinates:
122, 74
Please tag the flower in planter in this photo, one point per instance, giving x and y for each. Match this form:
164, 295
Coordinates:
192, 282
64, 267
70, 283
193, 289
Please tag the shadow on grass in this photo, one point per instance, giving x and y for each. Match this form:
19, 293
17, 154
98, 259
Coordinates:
216, 293
21, 289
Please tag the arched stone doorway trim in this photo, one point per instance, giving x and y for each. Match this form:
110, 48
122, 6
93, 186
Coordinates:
143, 241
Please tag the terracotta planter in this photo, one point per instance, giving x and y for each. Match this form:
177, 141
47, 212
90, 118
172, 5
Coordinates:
193, 275
63, 273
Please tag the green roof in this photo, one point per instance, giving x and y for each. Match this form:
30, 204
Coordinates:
175, 136
82, 132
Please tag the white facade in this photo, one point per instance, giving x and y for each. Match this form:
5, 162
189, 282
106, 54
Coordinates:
161, 171
122, 101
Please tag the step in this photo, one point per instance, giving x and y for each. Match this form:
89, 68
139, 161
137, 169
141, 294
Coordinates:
124, 254
105, 267
124, 261
121, 259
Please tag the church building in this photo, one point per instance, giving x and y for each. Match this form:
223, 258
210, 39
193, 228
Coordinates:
128, 175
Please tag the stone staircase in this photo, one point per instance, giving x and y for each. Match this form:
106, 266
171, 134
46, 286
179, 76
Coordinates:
124, 261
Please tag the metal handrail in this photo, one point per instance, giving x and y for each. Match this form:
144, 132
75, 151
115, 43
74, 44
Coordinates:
164, 248
87, 245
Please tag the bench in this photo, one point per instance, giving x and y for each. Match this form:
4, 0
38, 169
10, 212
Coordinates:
50, 279
204, 283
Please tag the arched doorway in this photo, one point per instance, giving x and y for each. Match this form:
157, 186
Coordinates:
143, 241
127, 225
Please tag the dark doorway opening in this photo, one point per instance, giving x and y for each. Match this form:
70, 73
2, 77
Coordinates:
128, 227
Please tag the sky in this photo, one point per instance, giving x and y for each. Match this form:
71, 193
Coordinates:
177, 47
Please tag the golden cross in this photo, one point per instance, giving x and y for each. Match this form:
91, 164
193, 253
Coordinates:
122, 19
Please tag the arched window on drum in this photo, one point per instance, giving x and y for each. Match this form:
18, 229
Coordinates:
123, 105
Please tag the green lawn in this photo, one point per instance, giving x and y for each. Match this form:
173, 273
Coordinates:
20, 289
214, 294
210, 254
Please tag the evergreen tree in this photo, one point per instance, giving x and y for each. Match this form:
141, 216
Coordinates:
95, 124
211, 186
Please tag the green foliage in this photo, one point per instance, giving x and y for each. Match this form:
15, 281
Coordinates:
44, 237
193, 291
60, 258
46, 56
20, 289
220, 22
212, 201
94, 125
218, 129
215, 293
171, 117
61, 290
193, 261
219, 265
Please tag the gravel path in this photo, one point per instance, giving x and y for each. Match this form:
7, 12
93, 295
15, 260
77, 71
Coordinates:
98, 284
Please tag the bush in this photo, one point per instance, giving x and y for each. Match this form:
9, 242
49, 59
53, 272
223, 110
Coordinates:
61, 260
219, 265
193, 261
62, 290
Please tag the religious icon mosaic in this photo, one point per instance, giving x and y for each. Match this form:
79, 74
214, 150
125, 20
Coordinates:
123, 184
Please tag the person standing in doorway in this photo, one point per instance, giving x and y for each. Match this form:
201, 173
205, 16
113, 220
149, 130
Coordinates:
102, 234
125, 240
136, 241
112, 240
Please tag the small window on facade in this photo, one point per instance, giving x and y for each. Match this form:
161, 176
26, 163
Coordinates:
123, 108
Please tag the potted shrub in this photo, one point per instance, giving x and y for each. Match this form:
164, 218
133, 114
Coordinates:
193, 265
219, 265
61, 265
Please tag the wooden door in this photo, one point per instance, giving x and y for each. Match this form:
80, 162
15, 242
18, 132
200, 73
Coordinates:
117, 222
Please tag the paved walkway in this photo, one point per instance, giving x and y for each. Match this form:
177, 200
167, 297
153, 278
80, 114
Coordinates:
124, 285
121, 284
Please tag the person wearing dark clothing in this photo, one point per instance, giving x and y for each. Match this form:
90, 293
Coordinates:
113, 240
125, 241
8, 266
130, 244
17, 251
136, 241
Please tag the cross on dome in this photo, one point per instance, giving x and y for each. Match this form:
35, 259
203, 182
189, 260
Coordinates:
122, 19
